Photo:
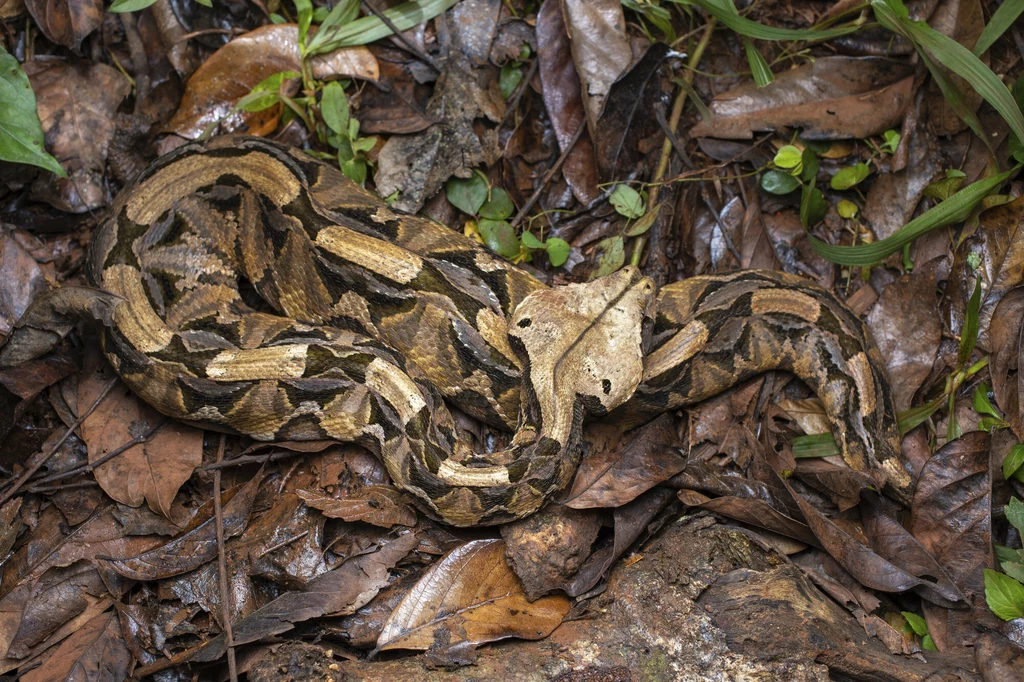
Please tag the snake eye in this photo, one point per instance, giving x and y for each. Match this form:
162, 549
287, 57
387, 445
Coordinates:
524, 323
607, 386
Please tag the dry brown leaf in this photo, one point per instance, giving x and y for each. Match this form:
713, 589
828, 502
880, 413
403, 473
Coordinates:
600, 49
152, 471
233, 70
1007, 377
834, 97
95, 652
76, 102
197, 543
381, 505
23, 281
66, 22
468, 598
10, 9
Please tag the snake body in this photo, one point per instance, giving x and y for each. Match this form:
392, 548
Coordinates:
266, 294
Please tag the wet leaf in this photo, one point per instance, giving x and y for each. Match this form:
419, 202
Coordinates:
66, 22
499, 237
834, 97
600, 49
21, 134
95, 652
198, 542
778, 182
380, 505
235, 69
468, 598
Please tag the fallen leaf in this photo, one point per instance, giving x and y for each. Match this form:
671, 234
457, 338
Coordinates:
469, 598
1007, 363
752, 511
95, 652
151, 471
600, 49
395, 102
894, 197
66, 22
197, 543
831, 98
613, 476
233, 70
76, 102
563, 100
905, 325
23, 281
381, 505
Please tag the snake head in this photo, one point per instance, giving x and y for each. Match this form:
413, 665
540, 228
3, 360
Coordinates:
583, 341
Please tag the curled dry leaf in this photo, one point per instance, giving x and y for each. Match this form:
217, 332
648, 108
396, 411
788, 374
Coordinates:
905, 324
76, 102
233, 70
563, 100
197, 543
618, 473
381, 505
150, 471
469, 598
832, 98
600, 49
23, 281
66, 22
95, 652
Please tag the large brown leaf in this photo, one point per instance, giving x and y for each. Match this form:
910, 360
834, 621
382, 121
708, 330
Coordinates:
233, 70
831, 98
468, 598
1007, 378
66, 22
151, 471
381, 505
94, 653
600, 49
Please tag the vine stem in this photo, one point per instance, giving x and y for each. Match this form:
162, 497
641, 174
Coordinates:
673, 123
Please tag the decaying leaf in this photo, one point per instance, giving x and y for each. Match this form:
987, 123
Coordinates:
381, 505
66, 22
600, 49
236, 68
831, 98
95, 652
468, 598
1007, 375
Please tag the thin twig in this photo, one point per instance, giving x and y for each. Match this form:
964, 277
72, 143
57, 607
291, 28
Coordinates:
222, 566
274, 456
550, 174
16, 486
409, 45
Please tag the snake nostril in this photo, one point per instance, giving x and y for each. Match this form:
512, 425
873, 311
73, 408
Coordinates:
524, 323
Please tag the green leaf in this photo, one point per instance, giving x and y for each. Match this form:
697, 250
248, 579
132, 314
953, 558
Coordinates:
1001, 20
847, 209
627, 201
789, 158
1005, 554
612, 257
778, 182
341, 14
205, 3
558, 251
21, 133
812, 205
304, 8
364, 144
916, 623
809, 161
266, 93
954, 57
1015, 513
1005, 596
815, 445
355, 169
334, 108
725, 12
467, 195
952, 210
982, 405
850, 177
1014, 460
944, 189
130, 5
530, 241
509, 79
892, 141
969, 333
370, 28
1016, 145
991, 424
498, 207
1013, 569
644, 224
499, 237
928, 644
276, 18
759, 68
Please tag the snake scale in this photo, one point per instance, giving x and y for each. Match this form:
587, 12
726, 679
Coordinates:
266, 294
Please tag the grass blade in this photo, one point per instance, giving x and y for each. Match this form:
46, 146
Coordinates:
998, 24
370, 28
725, 12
